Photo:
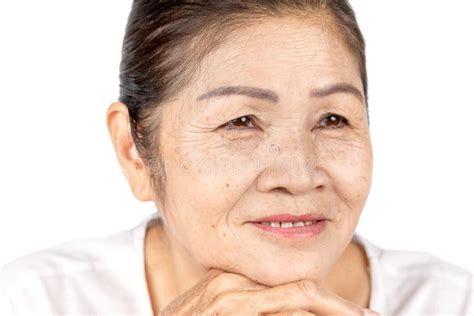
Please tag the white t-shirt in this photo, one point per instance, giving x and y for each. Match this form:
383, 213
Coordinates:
106, 276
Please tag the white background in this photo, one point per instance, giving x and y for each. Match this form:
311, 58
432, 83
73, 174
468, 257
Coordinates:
60, 180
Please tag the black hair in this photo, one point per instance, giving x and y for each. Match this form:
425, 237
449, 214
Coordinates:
165, 41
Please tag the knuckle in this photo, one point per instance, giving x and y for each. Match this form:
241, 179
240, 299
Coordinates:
308, 287
224, 303
218, 282
302, 313
221, 277
292, 313
227, 281
225, 278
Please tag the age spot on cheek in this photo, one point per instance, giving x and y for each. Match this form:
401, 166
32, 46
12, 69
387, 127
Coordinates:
227, 185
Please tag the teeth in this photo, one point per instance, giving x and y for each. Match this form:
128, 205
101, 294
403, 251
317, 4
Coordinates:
288, 224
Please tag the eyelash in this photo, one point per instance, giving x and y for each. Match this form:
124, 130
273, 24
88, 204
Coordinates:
342, 122
228, 125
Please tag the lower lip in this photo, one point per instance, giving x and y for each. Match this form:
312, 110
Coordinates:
295, 232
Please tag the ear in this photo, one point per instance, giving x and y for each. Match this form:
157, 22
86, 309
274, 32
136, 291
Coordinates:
136, 172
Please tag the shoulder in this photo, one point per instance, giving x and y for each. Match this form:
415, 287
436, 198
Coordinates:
403, 263
74, 256
416, 281
423, 282
78, 275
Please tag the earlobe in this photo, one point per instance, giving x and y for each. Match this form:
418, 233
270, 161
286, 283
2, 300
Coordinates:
139, 184
137, 174
139, 180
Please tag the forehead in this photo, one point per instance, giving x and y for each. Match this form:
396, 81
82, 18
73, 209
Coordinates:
280, 52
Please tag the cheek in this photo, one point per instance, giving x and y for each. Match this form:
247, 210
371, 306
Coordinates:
200, 205
349, 166
202, 189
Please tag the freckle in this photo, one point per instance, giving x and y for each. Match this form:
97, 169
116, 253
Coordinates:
224, 235
213, 226
227, 185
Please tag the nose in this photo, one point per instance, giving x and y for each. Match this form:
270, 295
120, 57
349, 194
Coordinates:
292, 168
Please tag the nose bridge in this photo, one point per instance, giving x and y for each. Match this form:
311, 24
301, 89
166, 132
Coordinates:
292, 165
294, 151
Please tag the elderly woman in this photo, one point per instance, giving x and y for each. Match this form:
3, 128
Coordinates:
246, 123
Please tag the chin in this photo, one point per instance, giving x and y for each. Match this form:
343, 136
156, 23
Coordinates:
275, 275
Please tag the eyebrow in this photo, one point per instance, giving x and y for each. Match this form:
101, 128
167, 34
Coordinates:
271, 96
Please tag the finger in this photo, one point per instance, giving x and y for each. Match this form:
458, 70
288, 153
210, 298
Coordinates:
227, 282
303, 295
306, 295
217, 282
195, 297
198, 293
212, 273
292, 313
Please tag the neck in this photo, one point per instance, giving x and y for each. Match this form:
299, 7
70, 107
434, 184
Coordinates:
170, 271
349, 277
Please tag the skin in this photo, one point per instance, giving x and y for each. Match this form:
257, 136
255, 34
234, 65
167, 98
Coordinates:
288, 160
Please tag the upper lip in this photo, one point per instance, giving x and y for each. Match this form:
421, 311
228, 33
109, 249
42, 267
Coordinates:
290, 218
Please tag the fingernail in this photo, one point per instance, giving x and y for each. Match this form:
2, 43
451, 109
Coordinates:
369, 312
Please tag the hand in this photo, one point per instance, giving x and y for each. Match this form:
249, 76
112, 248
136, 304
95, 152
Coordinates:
223, 293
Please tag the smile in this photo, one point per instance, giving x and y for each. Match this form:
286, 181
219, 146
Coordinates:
288, 224
301, 229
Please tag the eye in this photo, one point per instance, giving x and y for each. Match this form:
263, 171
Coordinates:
331, 120
243, 122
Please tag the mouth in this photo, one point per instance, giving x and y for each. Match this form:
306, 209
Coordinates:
291, 226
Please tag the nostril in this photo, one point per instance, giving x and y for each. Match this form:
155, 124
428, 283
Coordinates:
282, 189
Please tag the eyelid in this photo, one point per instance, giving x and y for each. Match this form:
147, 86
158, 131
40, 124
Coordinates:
344, 120
254, 121
252, 118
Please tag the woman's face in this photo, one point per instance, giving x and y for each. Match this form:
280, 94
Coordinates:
285, 156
